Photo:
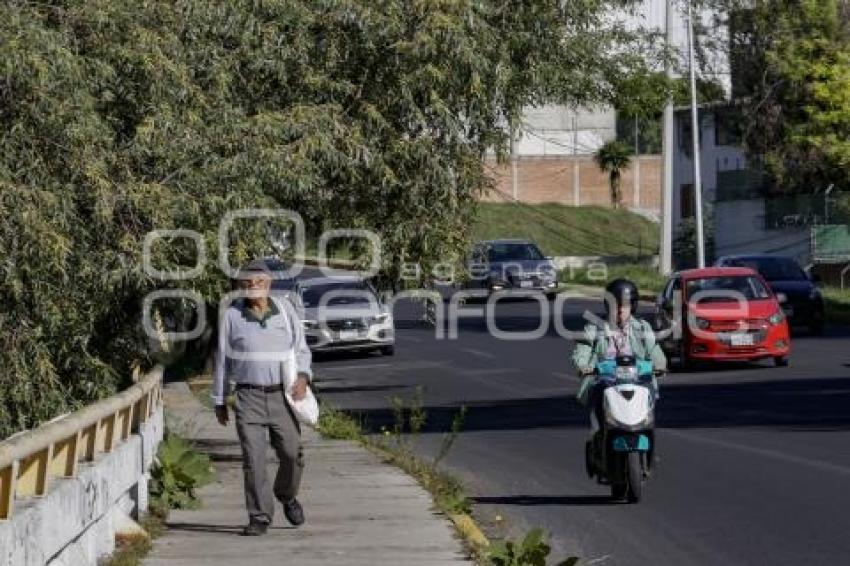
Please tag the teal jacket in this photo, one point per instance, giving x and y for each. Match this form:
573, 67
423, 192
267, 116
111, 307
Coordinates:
593, 346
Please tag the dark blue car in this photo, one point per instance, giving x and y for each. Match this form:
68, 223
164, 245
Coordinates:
803, 303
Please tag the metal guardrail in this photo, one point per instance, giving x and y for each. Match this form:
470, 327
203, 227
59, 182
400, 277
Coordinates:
29, 460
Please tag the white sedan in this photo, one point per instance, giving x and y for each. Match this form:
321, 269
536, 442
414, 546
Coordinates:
345, 313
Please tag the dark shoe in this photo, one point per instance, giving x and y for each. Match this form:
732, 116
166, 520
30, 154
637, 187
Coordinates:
255, 529
293, 511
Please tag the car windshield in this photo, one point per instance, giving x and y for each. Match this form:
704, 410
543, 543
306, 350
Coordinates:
751, 288
513, 252
344, 293
773, 268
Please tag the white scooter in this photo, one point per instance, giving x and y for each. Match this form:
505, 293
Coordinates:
622, 450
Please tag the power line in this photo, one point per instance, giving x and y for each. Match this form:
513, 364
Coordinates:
528, 208
576, 228
577, 146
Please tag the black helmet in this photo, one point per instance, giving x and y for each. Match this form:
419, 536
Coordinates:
622, 290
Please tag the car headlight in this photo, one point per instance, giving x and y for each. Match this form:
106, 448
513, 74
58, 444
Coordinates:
776, 318
703, 324
310, 324
381, 318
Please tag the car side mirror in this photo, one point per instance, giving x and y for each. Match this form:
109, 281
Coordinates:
782, 298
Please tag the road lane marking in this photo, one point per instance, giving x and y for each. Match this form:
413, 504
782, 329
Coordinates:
487, 371
767, 453
343, 368
479, 353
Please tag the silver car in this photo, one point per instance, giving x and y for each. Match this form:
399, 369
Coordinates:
509, 264
345, 313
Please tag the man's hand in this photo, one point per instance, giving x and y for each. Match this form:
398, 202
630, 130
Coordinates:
222, 415
299, 389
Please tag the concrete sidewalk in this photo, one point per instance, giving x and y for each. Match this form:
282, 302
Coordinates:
359, 510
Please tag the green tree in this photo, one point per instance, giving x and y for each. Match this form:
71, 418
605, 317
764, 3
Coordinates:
685, 244
612, 157
119, 118
791, 60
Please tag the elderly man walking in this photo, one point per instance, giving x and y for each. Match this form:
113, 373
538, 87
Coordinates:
256, 334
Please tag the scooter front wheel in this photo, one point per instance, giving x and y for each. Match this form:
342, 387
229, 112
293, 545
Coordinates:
634, 474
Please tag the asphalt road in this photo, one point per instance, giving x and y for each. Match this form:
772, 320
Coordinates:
754, 460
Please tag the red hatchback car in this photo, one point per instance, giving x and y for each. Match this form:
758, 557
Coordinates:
725, 314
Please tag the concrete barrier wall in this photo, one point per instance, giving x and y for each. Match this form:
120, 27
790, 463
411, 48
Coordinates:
75, 523
576, 181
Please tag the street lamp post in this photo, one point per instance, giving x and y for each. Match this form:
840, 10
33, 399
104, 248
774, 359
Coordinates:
665, 264
695, 135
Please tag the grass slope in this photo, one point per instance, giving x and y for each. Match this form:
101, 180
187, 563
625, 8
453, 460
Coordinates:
569, 230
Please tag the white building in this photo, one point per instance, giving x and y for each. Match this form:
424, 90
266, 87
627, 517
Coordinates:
559, 131
744, 221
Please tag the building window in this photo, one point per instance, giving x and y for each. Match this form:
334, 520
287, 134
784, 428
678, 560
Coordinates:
686, 143
686, 200
727, 129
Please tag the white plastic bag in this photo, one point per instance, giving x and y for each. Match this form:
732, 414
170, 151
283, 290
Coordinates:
306, 410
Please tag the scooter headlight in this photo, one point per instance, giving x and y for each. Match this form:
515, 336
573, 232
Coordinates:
626, 373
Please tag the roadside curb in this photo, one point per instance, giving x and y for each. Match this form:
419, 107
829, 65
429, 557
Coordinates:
465, 525
471, 532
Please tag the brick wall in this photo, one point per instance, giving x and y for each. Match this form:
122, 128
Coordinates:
550, 179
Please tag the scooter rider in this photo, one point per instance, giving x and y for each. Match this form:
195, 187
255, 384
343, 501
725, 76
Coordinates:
621, 335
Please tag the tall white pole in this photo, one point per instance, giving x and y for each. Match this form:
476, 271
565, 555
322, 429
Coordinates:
514, 172
665, 263
636, 175
695, 135
576, 172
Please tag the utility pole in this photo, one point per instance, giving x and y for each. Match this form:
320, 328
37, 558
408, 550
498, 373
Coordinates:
576, 174
695, 135
636, 176
514, 172
665, 263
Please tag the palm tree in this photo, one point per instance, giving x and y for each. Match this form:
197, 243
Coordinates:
613, 157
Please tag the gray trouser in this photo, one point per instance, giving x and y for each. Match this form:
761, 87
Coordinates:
261, 416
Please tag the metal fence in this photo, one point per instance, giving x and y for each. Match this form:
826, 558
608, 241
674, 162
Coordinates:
831, 243
30, 460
